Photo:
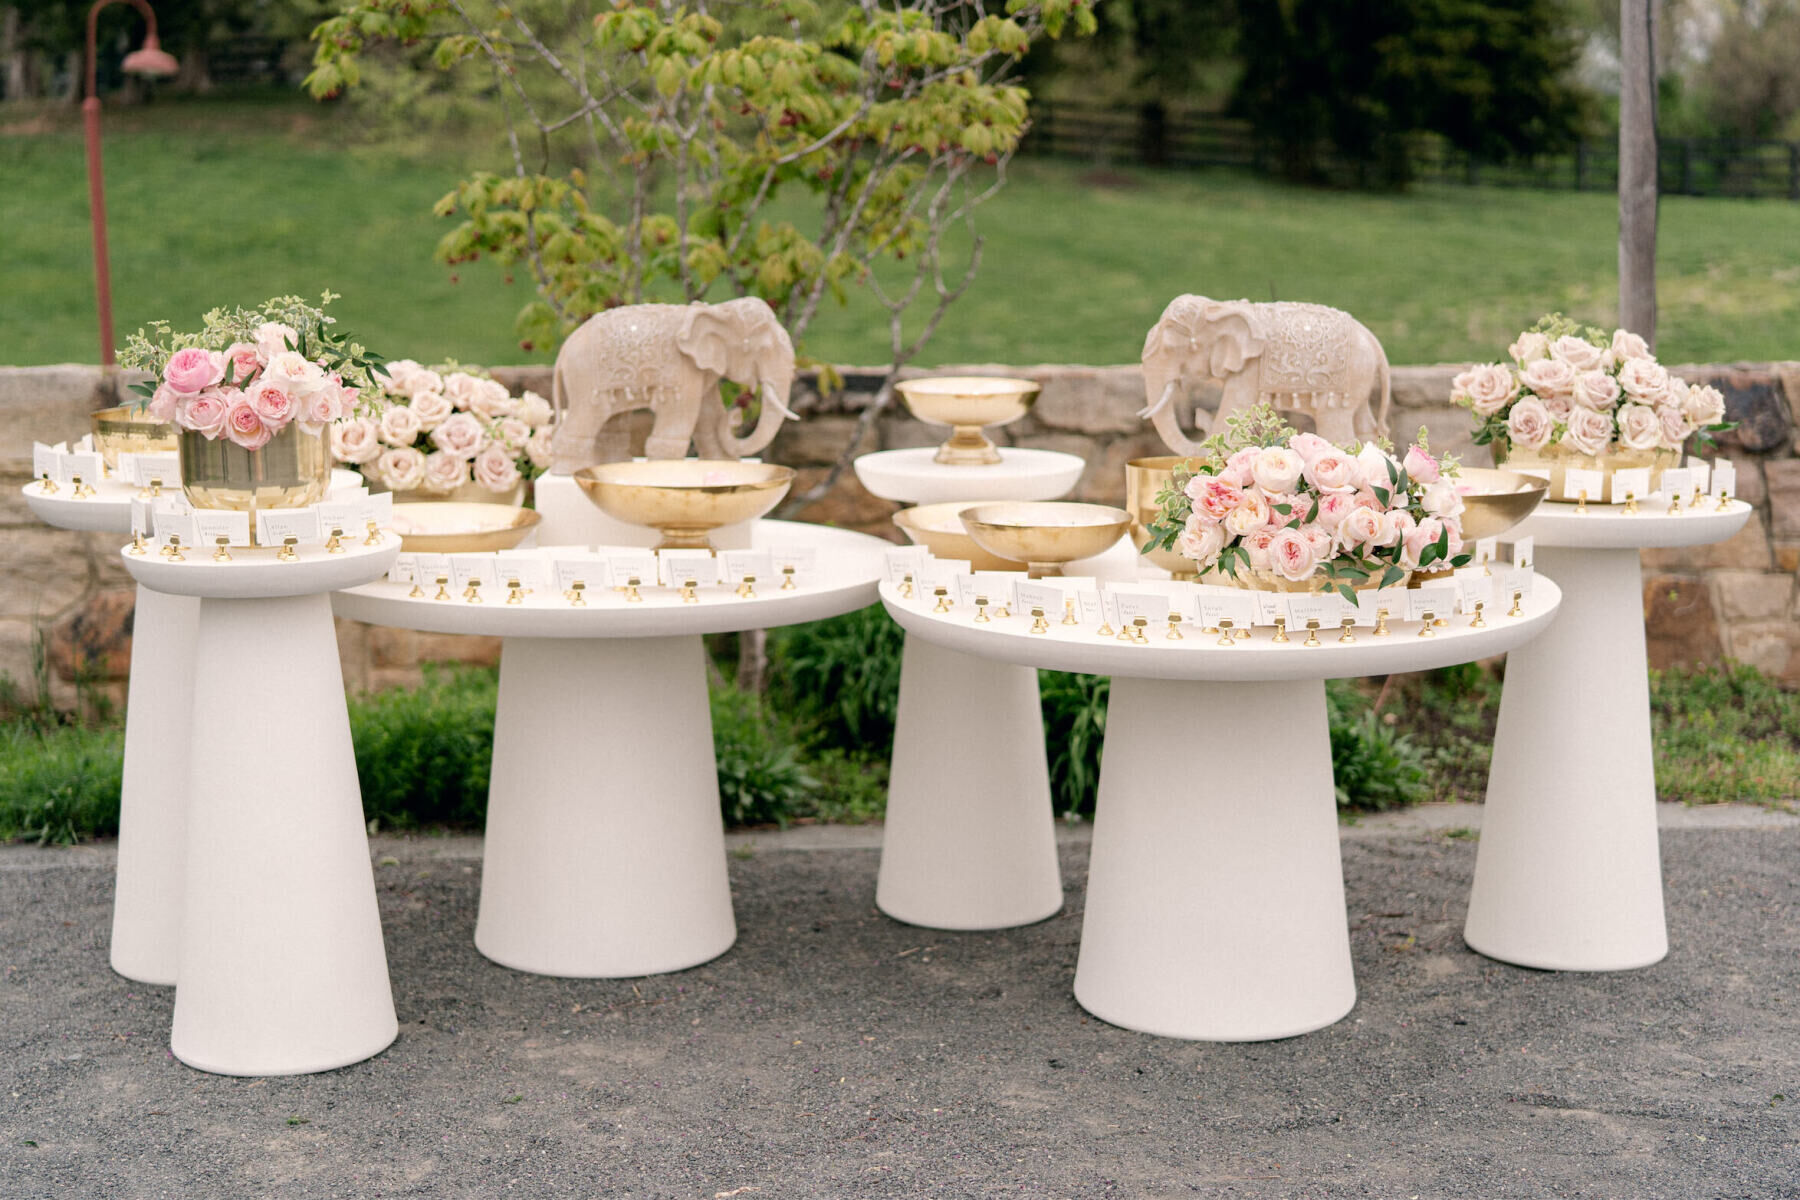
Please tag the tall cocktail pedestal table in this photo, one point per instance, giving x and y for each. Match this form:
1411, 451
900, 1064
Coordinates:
1215, 898
969, 840
605, 849
1568, 875
146, 928
282, 970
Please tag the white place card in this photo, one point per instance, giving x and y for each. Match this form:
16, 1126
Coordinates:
153, 470
1320, 607
429, 568
375, 506
275, 525
142, 521
1132, 604
1001, 585
1524, 552
172, 502
1184, 598
532, 572
1219, 605
339, 515
1091, 604
677, 568
1700, 474
1577, 481
1031, 593
1371, 604
84, 444
175, 523
1516, 581
965, 590
804, 561
405, 569
901, 561
737, 565
475, 568
1435, 599
211, 524
89, 467
627, 565
1534, 472
1486, 551
1632, 483
1677, 482
591, 573
939, 572
46, 460
1269, 606
1724, 478
1474, 586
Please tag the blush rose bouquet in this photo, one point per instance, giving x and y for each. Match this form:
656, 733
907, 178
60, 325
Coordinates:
250, 373
1268, 506
437, 428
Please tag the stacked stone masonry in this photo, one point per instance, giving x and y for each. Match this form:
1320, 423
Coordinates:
67, 593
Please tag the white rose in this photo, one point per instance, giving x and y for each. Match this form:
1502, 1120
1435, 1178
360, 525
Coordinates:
293, 374
1332, 472
1247, 517
1529, 424
1639, 427
399, 425
1485, 388
1704, 405
431, 408
1376, 463
1441, 499
355, 441
1627, 345
460, 435
1549, 377
1644, 379
1589, 432
1596, 390
1200, 541
424, 381
444, 472
513, 432
495, 469
491, 400
1529, 348
402, 469
538, 449
1675, 426
1579, 353
273, 338
534, 410
1559, 408
1276, 469
1361, 526
398, 373
460, 387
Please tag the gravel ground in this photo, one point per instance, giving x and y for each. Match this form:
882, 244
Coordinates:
834, 1052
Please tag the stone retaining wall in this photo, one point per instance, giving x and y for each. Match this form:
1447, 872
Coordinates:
1703, 605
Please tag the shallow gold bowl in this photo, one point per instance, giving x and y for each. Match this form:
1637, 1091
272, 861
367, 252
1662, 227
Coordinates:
685, 499
939, 529
1500, 500
127, 429
456, 527
1047, 534
967, 403
1145, 478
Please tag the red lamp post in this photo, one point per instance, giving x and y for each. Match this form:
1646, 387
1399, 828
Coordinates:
150, 59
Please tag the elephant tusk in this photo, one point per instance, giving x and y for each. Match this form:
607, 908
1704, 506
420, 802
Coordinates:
775, 400
1161, 403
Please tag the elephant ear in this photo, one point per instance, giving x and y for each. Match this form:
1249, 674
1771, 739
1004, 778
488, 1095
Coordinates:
1177, 328
1233, 339
708, 334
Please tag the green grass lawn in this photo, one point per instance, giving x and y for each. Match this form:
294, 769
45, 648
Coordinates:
217, 203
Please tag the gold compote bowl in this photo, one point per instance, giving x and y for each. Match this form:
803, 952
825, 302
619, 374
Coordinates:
967, 403
456, 527
1496, 501
939, 528
685, 499
1045, 535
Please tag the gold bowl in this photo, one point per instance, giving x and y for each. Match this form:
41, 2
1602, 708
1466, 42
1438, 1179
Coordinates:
1045, 535
1145, 478
967, 403
685, 499
1499, 500
455, 527
939, 529
127, 429
1559, 459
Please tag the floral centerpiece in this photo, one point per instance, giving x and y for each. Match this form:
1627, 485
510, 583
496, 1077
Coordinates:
251, 395
1266, 507
1580, 397
447, 431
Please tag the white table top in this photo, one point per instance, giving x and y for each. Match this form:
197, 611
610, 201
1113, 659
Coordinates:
1610, 527
849, 565
911, 477
255, 573
1199, 656
108, 510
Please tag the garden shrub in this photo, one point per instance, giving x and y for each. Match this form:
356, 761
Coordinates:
423, 754
59, 784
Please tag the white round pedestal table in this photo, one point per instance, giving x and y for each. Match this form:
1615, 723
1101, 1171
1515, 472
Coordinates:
1215, 898
146, 929
282, 967
969, 841
605, 850
1568, 874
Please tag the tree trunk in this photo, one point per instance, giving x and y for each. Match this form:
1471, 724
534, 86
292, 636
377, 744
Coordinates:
1637, 167
753, 661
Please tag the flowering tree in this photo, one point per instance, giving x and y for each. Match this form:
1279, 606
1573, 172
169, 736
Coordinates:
657, 148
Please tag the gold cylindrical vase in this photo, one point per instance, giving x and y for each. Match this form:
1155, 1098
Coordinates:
292, 470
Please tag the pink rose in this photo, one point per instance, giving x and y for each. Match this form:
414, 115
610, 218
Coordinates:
1256, 545
1530, 346
1596, 390
1335, 507
1675, 427
1485, 388
538, 449
1589, 432
1212, 497
1376, 463
205, 413
293, 374
1416, 539
1332, 471
1639, 428
321, 409
432, 409
163, 403
1579, 353
460, 436
1420, 466
1360, 527
273, 338
1644, 379
1320, 539
244, 426
1309, 446
491, 400
1291, 555
1629, 345
1395, 525
1704, 405
274, 406
1237, 467
1549, 377
187, 371
1251, 514
245, 361
1200, 541
497, 471
356, 440
399, 425
1276, 469
1441, 499
402, 468
534, 410
1529, 425
1559, 408
444, 472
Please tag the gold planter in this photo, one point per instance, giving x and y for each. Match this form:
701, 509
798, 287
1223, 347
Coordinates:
128, 429
1558, 460
1145, 479
1253, 580
292, 470
469, 493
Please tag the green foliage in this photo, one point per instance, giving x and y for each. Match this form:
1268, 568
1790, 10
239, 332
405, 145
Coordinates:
844, 673
1725, 733
58, 784
422, 754
1074, 735
1375, 766
761, 776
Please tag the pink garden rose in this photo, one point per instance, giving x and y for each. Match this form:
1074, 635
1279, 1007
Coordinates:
1360, 527
1256, 545
1309, 446
1415, 540
1578, 352
496, 470
1335, 506
399, 425
244, 426
401, 468
1251, 514
460, 436
1396, 524
1291, 555
1420, 466
190, 370
1276, 469
245, 360
444, 472
1237, 467
1644, 379
491, 400
1332, 471
1596, 390
1639, 428
423, 380
1211, 496
1549, 377
1200, 541
1628, 345
275, 406
293, 374
432, 409
397, 373
273, 338
1320, 539
1375, 463
1529, 424
205, 413
324, 406
162, 403
1485, 388
1589, 432
1529, 347
356, 440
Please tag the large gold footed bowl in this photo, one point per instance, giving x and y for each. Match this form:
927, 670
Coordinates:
127, 429
939, 528
459, 527
685, 499
967, 403
1145, 479
1045, 535
1496, 500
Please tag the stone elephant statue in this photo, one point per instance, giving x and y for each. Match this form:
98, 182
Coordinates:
1301, 358
669, 358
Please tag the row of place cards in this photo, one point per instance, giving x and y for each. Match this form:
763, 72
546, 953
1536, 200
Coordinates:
171, 517
1698, 478
571, 573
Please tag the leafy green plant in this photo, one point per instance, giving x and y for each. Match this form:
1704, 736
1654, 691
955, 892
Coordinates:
59, 784
423, 754
1375, 766
844, 673
761, 776
1074, 733
1727, 733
